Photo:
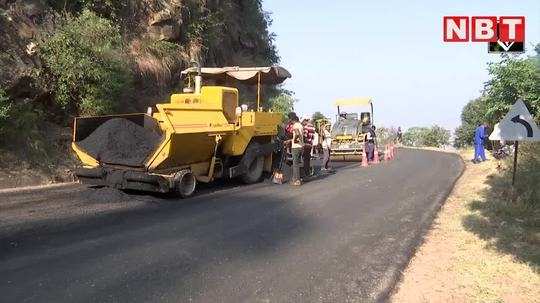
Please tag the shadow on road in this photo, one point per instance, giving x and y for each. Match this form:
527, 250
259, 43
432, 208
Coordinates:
155, 209
199, 232
511, 226
100, 206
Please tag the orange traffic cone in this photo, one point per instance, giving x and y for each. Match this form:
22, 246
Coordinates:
387, 156
376, 156
364, 159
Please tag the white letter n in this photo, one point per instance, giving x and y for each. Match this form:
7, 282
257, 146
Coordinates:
452, 27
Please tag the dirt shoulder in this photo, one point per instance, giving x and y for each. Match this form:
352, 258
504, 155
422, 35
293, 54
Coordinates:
41, 159
480, 248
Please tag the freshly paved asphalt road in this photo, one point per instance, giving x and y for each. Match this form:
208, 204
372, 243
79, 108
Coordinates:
342, 238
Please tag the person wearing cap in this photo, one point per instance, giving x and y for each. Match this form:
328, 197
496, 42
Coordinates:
297, 146
309, 132
399, 135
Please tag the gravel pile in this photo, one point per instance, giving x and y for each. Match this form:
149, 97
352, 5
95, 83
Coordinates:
122, 142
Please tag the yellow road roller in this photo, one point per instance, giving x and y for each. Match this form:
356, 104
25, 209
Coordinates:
198, 136
349, 130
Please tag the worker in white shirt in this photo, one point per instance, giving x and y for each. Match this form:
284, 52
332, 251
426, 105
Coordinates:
326, 145
370, 140
297, 147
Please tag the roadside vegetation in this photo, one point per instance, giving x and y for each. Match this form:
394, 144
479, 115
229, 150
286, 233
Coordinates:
85, 60
5, 108
510, 79
485, 246
318, 116
434, 136
481, 247
283, 103
472, 115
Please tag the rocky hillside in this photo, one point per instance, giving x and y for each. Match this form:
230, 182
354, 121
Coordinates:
63, 58
158, 38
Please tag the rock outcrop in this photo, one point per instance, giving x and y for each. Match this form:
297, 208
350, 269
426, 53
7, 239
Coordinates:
214, 32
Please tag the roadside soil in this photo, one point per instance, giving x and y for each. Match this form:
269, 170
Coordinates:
26, 161
18, 172
473, 253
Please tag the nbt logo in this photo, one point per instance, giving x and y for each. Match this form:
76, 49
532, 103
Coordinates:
503, 34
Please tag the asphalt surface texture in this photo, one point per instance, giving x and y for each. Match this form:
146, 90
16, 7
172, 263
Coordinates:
342, 237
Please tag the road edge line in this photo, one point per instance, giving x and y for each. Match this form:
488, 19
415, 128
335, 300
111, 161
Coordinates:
17, 190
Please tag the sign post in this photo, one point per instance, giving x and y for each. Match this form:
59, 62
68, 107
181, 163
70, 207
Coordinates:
517, 125
516, 144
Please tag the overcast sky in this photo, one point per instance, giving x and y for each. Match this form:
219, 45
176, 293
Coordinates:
389, 50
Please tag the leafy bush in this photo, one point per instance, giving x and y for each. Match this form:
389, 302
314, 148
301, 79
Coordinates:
414, 136
525, 191
528, 173
511, 79
105, 8
434, 136
318, 116
283, 104
256, 23
437, 137
472, 115
205, 25
88, 70
18, 124
5, 108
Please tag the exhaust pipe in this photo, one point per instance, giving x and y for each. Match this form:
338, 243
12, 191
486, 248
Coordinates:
198, 78
198, 83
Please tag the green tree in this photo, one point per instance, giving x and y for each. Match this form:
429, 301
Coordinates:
18, 124
434, 136
471, 116
283, 104
318, 116
104, 8
511, 79
414, 136
84, 58
437, 136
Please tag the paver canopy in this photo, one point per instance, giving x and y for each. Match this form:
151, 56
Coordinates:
268, 75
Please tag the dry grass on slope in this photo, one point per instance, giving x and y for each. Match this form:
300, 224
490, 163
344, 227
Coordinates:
481, 248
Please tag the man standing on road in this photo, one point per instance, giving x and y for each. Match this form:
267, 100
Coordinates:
326, 145
479, 139
309, 132
297, 145
399, 135
370, 143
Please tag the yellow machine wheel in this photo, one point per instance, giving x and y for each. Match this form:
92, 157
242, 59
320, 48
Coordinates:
184, 183
254, 170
